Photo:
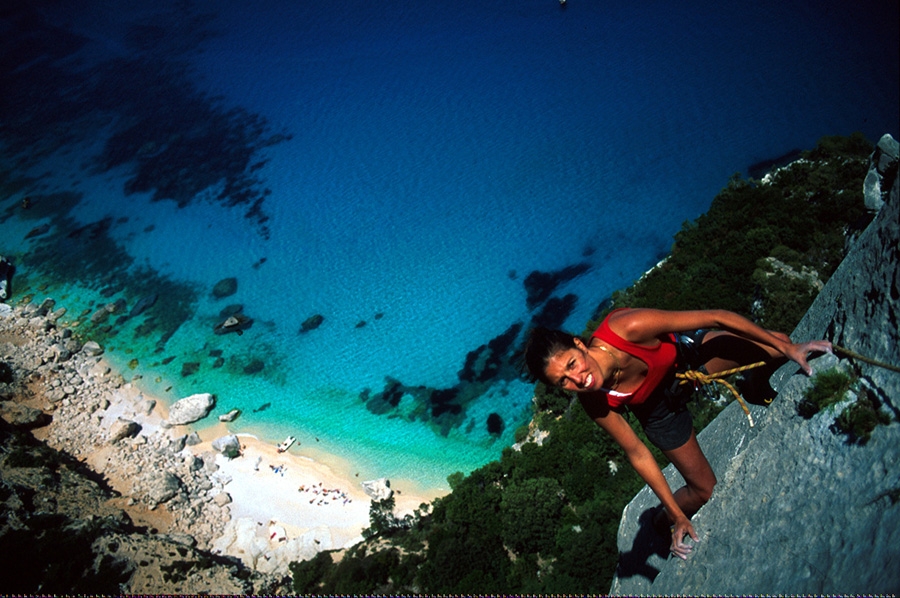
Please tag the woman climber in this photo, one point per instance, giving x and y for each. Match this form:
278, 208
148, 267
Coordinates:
631, 361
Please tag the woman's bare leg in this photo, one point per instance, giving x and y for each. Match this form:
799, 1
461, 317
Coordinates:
698, 475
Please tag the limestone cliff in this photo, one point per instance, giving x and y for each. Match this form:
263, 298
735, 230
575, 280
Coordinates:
799, 507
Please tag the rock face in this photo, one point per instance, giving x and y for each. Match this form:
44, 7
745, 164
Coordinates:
191, 409
798, 508
5, 272
885, 154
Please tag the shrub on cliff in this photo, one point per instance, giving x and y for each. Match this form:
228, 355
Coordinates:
806, 209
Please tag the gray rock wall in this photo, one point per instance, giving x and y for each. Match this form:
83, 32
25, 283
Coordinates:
798, 509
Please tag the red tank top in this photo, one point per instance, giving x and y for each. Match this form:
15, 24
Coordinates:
659, 359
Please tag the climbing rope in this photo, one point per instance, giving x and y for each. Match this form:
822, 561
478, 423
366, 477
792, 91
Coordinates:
855, 355
697, 378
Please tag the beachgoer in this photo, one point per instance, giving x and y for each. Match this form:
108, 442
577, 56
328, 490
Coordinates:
630, 362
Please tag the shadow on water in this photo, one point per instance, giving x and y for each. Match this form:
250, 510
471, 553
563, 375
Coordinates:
647, 543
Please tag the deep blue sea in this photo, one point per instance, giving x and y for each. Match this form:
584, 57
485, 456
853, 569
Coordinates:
398, 189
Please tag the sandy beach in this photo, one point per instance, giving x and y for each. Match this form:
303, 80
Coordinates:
300, 492
296, 491
265, 507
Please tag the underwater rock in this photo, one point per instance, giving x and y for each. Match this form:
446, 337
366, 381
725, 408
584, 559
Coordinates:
495, 424
311, 323
99, 316
230, 416
485, 362
540, 285
236, 323
231, 309
37, 231
555, 312
225, 288
142, 305
189, 368
254, 367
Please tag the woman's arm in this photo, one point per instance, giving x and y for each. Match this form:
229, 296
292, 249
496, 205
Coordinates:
644, 325
646, 466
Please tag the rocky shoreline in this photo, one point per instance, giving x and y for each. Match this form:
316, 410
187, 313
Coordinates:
146, 510
99, 418
153, 478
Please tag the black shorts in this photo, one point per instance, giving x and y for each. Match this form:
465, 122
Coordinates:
664, 415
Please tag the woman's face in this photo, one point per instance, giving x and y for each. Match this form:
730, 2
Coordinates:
574, 370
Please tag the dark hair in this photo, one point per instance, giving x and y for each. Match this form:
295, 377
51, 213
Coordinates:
543, 344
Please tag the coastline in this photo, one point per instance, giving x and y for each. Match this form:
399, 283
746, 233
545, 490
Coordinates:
264, 507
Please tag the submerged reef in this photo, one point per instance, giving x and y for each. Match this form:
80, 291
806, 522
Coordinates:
174, 141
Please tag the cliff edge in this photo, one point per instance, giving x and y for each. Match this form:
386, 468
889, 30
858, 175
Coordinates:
800, 507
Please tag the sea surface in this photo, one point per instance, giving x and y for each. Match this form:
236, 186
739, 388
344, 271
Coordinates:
397, 189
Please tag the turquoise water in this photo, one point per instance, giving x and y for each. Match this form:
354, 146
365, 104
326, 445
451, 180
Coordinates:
399, 169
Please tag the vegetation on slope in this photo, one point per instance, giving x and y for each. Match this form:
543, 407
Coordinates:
544, 519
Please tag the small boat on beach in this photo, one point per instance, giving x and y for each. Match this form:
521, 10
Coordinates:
286, 444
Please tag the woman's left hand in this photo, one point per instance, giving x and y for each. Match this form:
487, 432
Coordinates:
799, 352
680, 529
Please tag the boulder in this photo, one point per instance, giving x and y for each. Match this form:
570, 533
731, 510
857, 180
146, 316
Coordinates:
161, 486
123, 428
22, 416
190, 409
92, 348
145, 406
229, 446
379, 489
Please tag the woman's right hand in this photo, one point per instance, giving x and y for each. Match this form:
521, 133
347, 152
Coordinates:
680, 529
799, 352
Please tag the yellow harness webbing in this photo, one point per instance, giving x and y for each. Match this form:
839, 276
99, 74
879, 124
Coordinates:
698, 378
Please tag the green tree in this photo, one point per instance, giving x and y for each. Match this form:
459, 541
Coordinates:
531, 510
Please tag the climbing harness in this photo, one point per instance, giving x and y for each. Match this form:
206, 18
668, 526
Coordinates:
699, 378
